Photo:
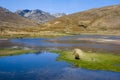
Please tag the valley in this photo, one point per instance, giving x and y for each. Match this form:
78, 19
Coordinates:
38, 45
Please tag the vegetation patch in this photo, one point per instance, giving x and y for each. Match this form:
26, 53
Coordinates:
9, 52
32, 34
93, 61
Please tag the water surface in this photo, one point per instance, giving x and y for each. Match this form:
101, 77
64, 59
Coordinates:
43, 66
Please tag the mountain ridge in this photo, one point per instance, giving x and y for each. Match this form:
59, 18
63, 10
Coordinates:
105, 20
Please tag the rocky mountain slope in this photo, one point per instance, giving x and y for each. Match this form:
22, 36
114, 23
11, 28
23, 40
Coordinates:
38, 15
98, 20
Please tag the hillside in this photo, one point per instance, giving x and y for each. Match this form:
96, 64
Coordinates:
38, 15
12, 22
98, 20
105, 20
13, 25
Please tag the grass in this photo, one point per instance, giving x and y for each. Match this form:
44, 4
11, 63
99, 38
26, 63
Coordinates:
9, 52
23, 34
93, 61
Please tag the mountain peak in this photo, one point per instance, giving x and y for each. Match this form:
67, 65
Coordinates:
59, 15
38, 15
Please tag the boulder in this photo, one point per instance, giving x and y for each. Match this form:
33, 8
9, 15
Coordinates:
78, 53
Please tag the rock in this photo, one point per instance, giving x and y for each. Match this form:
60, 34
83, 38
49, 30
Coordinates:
37, 15
78, 53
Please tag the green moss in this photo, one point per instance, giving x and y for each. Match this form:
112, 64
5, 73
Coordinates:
8, 52
93, 61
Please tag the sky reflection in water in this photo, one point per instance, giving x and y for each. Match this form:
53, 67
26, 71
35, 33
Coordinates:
44, 66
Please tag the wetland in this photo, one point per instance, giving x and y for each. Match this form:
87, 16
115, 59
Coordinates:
52, 59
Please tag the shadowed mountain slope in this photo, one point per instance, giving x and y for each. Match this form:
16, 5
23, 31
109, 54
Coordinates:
11, 20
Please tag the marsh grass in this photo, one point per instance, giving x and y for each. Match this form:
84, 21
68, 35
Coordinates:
93, 61
10, 52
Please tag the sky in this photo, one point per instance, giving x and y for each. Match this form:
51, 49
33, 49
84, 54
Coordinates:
56, 6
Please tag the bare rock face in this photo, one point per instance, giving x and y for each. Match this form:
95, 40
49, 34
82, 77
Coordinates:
78, 53
38, 15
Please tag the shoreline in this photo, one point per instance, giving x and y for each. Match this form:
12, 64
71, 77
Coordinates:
9, 52
112, 41
91, 60
3, 39
48, 34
